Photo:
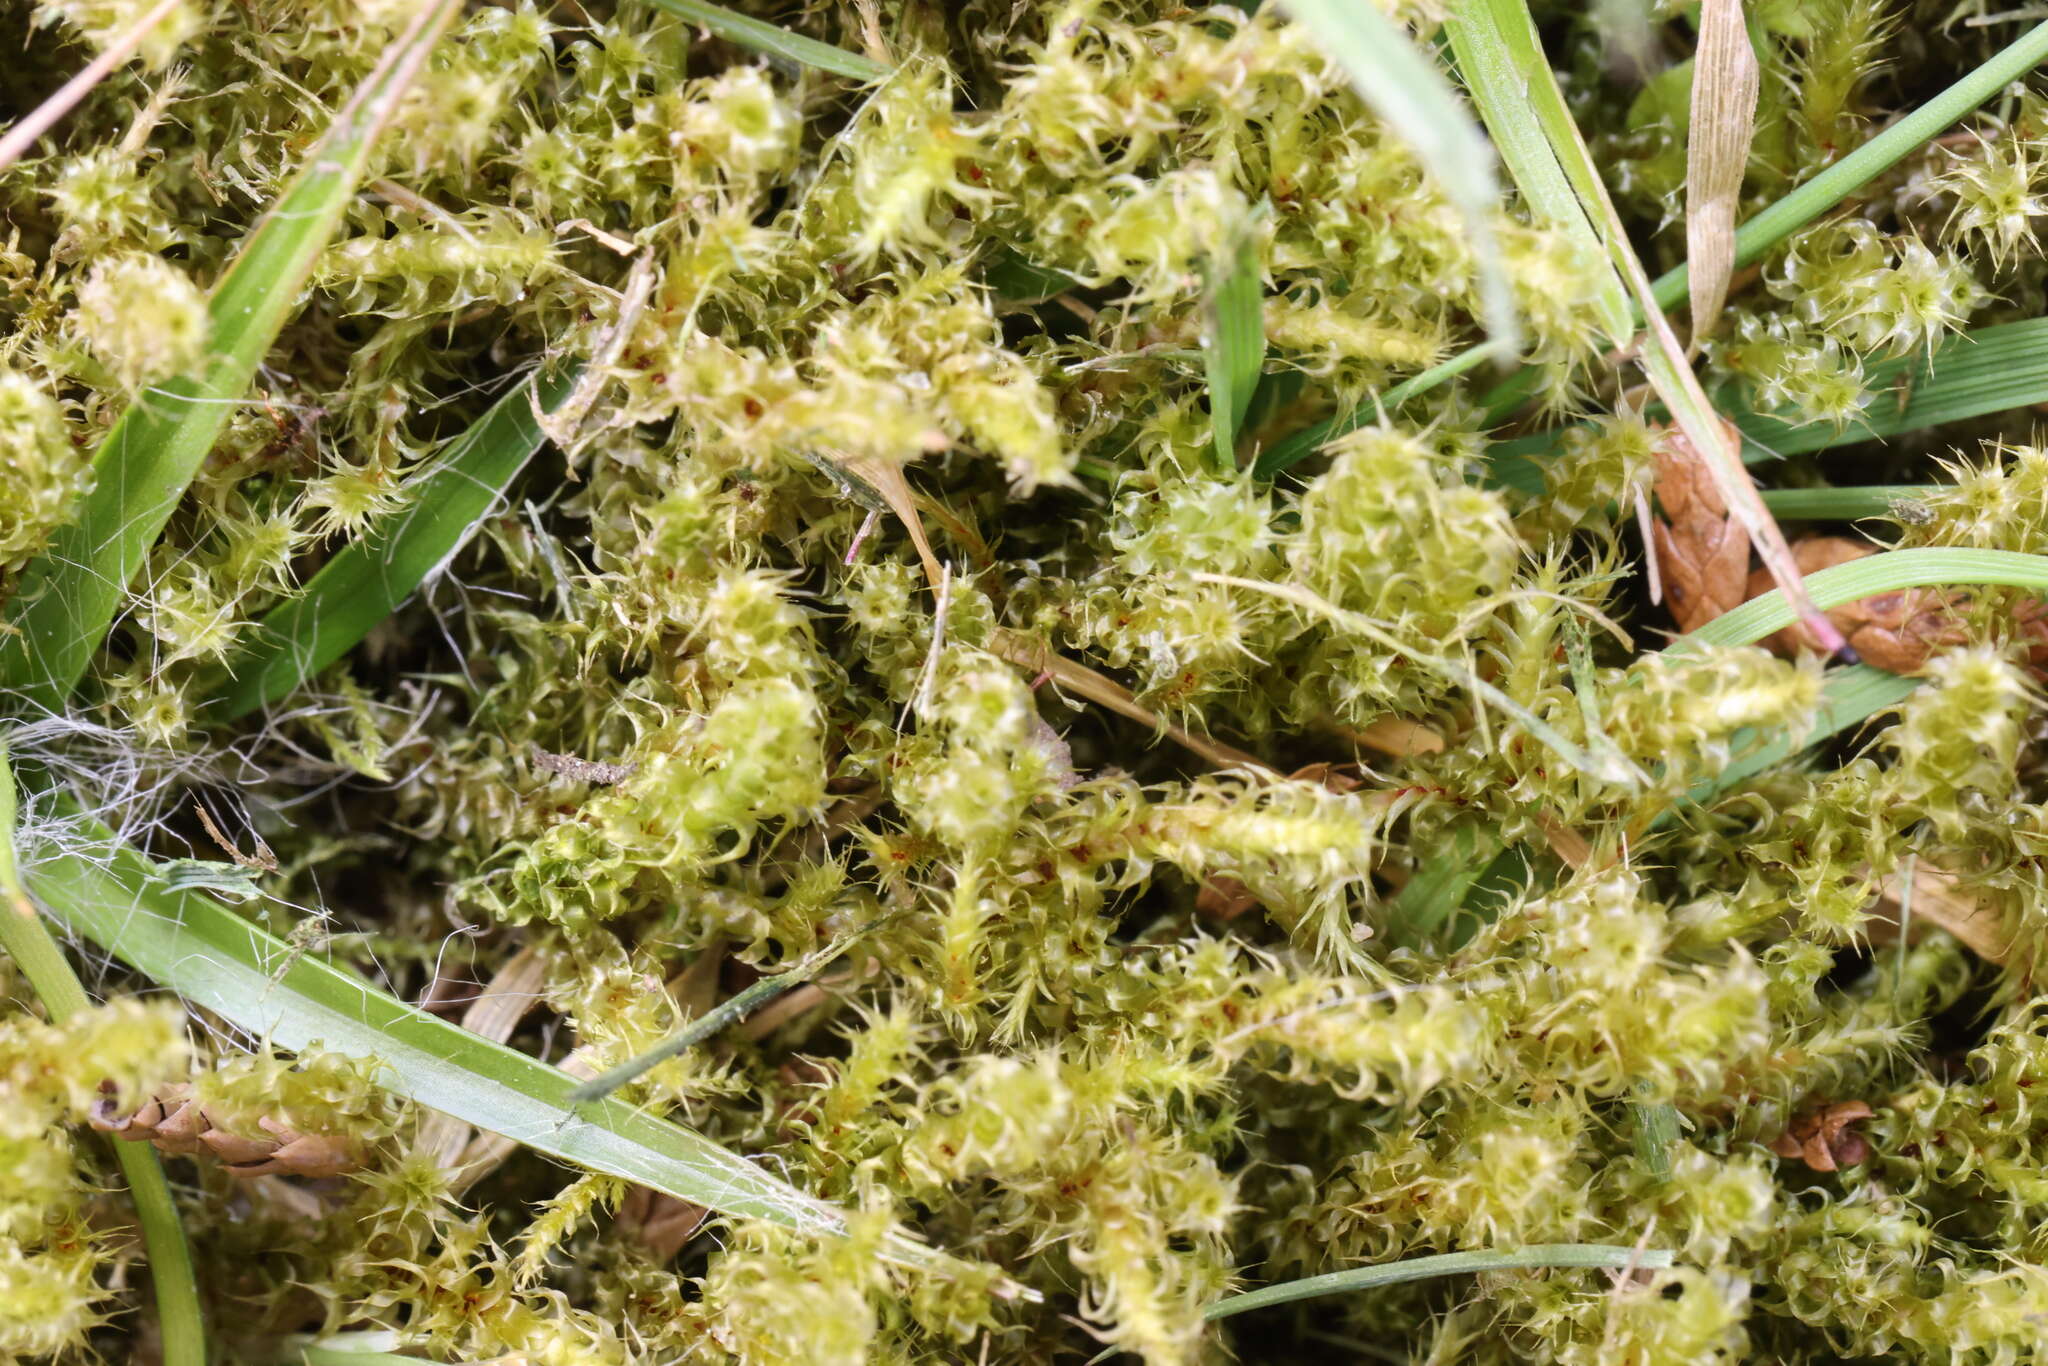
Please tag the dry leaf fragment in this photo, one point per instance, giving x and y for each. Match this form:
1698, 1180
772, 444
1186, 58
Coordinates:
1701, 545
1894, 631
1724, 92
1940, 900
659, 1223
1823, 1138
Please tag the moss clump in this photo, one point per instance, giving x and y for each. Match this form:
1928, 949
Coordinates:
882, 583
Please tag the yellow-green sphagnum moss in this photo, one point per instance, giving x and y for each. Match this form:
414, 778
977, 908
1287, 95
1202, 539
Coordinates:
878, 583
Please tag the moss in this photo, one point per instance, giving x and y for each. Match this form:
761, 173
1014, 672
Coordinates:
1124, 1024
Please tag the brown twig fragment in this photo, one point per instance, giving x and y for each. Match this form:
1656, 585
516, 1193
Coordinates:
262, 861
582, 770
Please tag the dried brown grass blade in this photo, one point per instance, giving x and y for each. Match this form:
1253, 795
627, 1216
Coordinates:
1724, 92
39, 120
1036, 658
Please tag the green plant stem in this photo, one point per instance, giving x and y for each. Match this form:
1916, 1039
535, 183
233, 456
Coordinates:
1297, 447
367, 580
774, 42
1937, 567
28, 941
1844, 504
1535, 1256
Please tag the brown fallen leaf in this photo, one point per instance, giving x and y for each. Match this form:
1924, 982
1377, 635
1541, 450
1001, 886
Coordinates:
660, 1224
1894, 631
1702, 547
1823, 1139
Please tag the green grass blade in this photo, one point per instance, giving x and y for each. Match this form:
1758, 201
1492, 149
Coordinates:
219, 962
1404, 88
27, 940
1788, 214
368, 579
1936, 567
1836, 183
1431, 897
1845, 504
1299, 446
1508, 78
1990, 370
1656, 1129
1016, 280
1535, 1256
1849, 697
1234, 349
68, 596
774, 42
1504, 64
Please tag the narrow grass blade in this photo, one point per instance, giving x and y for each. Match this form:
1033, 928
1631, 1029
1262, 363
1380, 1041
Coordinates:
727, 1012
1234, 348
1836, 183
1404, 87
1440, 887
770, 41
1016, 280
1302, 444
1989, 370
1656, 1129
1505, 71
1846, 504
1849, 697
1504, 65
1936, 567
27, 940
1826, 190
1535, 1256
1724, 90
368, 579
68, 597
219, 962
